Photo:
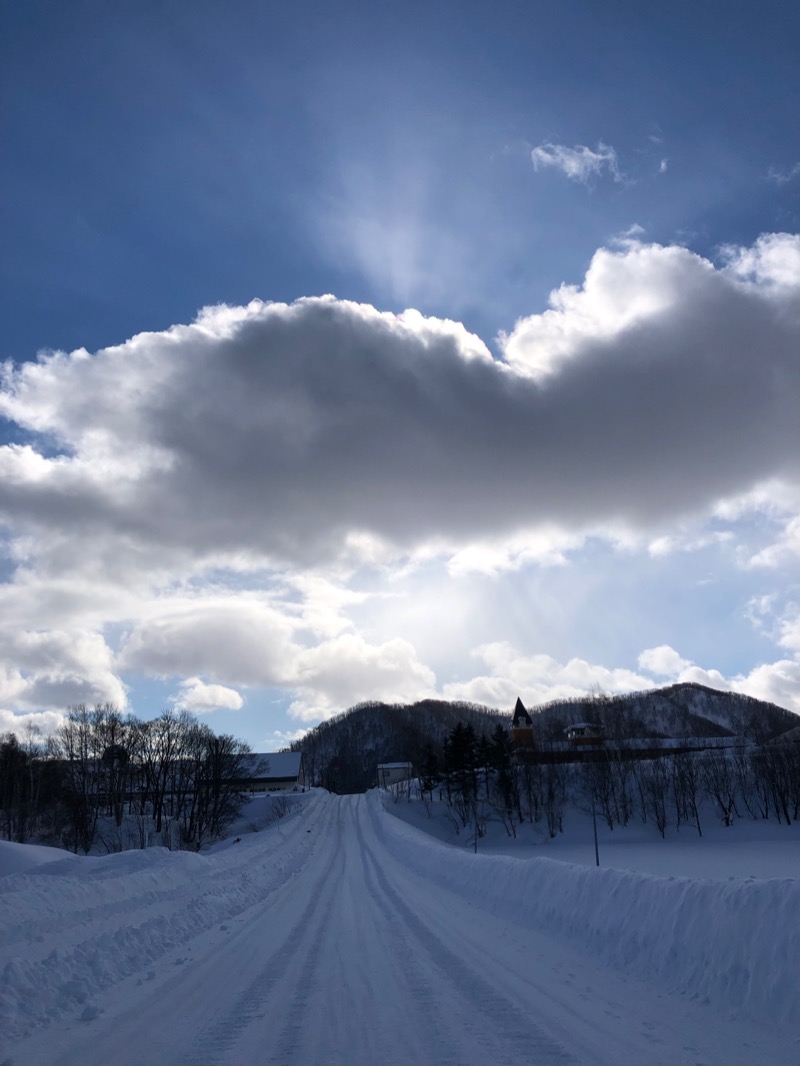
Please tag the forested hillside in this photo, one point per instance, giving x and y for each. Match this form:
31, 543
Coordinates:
681, 710
343, 752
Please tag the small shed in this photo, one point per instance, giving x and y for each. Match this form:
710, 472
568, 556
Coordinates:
389, 773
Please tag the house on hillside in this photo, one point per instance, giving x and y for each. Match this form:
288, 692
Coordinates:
389, 773
584, 734
274, 771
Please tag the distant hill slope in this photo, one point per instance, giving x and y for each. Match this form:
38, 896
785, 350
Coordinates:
680, 710
343, 752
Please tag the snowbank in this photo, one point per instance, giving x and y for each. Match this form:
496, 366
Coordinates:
71, 928
19, 858
733, 944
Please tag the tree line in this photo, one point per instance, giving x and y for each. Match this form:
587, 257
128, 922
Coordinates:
482, 778
111, 779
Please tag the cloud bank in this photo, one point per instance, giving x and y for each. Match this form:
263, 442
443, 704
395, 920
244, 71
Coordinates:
659, 386
152, 485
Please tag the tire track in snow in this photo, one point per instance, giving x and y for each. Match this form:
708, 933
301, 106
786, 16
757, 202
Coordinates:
421, 988
289, 1040
213, 1044
529, 1042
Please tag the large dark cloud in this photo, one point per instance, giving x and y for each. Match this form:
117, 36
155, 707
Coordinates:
661, 386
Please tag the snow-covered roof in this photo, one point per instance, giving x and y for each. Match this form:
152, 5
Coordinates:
393, 765
271, 764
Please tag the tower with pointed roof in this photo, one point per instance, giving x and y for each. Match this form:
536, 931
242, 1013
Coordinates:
521, 728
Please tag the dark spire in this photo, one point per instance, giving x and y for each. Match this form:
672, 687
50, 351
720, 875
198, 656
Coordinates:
521, 717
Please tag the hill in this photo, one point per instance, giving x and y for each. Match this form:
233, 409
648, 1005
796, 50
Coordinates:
679, 710
343, 752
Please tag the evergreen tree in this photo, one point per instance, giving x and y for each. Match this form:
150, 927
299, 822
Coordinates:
429, 774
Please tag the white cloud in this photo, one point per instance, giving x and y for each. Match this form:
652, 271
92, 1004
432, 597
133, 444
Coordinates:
197, 696
785, 549
579, 163
539, 678
790, 629
760, 609
321, 604
546, 546
215, 515
282, 739
340, 672
772, 263
55, 669
685, 540
696, 675
37, 724
777, 682
663, 661
626, 289
243, 639
782, 177
235, 639
288, 433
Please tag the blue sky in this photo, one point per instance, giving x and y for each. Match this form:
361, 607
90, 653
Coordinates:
573, 467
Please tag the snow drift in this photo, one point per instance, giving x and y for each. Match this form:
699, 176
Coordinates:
734, 944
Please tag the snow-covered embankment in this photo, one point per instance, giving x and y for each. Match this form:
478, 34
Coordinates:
72, 928
734, 944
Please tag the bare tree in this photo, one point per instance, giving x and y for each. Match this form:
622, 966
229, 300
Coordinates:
719, 782
687, 789
79, 757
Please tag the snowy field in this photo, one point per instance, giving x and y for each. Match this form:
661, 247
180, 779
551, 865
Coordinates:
344, 934
762, 850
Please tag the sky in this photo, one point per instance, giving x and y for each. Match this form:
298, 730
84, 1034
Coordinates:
386, 351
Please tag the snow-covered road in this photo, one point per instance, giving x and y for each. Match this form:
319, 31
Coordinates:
316, 943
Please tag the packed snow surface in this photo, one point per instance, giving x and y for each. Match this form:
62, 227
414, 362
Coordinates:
344, 935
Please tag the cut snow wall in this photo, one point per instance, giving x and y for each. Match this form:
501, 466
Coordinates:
734, 944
